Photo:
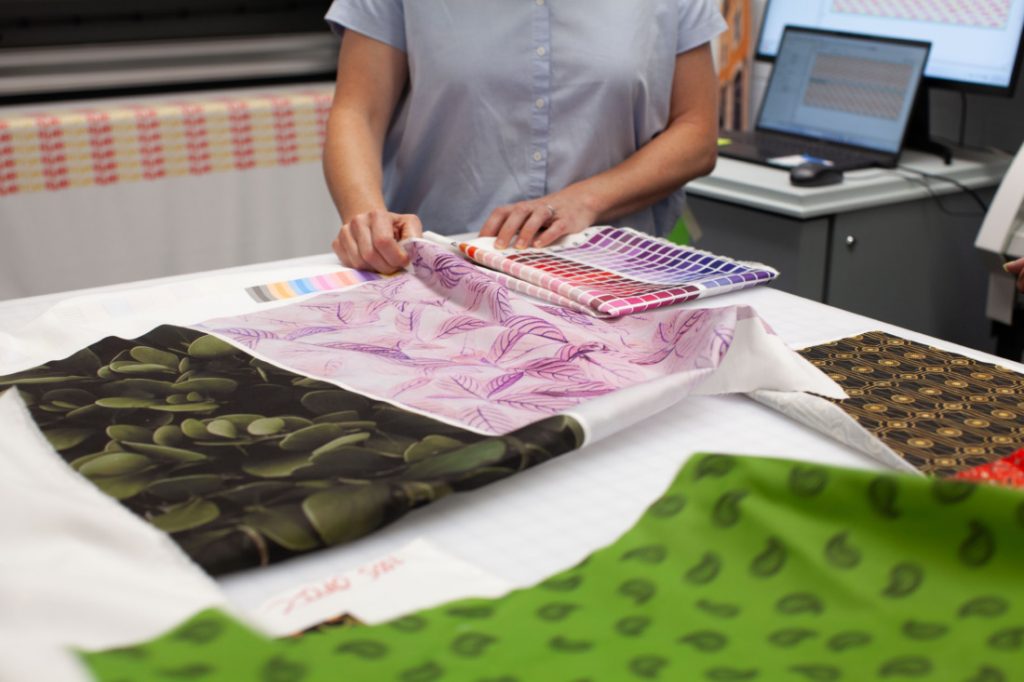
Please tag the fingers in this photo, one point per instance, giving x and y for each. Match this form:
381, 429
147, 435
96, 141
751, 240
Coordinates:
387, 256
1015, 267
370, 241
345, 246
539, 218
495, 221
510, 228
523, 220
409, 226
522, 224
555, 231
336, 247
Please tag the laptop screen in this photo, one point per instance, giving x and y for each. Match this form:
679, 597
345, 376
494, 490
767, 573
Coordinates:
843, 88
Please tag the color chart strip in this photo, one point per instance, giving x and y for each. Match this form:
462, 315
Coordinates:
278, 291
618, 271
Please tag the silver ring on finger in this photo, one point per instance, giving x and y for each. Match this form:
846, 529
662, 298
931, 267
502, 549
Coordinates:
551, 211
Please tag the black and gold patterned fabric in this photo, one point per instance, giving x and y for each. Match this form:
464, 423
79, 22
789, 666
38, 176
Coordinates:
942, 412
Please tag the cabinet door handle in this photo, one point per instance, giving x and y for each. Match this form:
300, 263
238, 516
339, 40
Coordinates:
851, 241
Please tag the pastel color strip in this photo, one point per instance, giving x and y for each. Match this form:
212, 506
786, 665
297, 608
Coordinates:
279, 291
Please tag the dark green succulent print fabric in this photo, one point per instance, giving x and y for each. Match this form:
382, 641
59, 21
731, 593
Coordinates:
746, 569
244, 463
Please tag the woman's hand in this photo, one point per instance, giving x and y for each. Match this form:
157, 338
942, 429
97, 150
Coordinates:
370, 240
539, 222
1016, 268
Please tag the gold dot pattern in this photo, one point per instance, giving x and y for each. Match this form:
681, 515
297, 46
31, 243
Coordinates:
940, 411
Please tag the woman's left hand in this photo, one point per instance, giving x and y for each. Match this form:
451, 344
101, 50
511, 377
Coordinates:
538, 222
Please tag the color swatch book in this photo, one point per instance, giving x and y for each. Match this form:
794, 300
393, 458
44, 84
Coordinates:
614, 271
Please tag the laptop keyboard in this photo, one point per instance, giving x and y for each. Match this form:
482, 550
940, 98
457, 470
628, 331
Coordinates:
842, 158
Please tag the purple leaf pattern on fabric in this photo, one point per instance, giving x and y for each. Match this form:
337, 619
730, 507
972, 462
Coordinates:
486, 418
553, 369
537, 402
452, 341
568, 315
379, 351
527, 324
460, 324
460, 386
499, 384
582, 389
503, 344
249, 338
410, 385
307, 331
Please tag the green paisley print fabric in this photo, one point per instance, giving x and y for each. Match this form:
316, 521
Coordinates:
745, 569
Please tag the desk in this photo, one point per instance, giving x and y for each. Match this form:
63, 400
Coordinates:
878, 243
517, 528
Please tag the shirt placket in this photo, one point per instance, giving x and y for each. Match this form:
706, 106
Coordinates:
540, 120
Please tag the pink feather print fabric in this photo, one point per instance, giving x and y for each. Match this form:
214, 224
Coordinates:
453, 342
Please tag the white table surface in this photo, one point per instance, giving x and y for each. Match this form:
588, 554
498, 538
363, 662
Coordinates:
540, 521
769, 189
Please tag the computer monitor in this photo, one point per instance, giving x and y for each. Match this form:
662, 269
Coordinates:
848, 89
976, 44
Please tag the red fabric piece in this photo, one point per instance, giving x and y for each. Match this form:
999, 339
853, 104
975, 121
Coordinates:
1008, 471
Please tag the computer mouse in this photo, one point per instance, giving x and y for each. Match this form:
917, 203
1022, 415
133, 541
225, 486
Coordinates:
814, 174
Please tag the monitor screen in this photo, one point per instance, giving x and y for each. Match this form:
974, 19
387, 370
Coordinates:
976, 44
847, 89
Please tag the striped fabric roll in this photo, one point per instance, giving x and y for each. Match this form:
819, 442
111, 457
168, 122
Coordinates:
96, 146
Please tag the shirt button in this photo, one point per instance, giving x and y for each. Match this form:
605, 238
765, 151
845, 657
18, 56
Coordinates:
537, 156
540, 103
541, 51
540, 3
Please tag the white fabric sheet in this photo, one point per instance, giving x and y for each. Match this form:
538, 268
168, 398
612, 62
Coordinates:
756, 361
77, 569
521, 529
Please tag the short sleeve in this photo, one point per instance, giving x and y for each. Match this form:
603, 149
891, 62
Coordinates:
382, 20
699, 22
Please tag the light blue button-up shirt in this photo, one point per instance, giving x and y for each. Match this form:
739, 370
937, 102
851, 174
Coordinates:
510, 100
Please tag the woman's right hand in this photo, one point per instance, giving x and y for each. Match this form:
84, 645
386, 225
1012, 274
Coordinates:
369, 241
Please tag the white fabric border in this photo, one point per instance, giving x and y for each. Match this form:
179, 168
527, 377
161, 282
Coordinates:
831, 420
755, 360
78, 569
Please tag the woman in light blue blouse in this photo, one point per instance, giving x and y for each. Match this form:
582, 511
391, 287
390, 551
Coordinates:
525, 119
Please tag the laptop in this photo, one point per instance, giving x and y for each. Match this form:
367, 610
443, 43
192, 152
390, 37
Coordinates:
840, 99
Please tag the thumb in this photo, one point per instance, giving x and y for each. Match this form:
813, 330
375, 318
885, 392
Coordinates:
1014, 267
409, 226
